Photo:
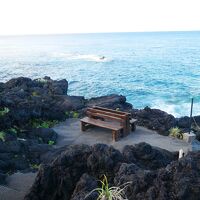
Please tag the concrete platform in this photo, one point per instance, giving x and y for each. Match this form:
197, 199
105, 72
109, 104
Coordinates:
70, 133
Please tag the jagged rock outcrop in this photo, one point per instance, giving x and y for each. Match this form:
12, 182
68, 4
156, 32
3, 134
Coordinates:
46, 99
112, 101
178, 180
155, 119
153, 173
146, 157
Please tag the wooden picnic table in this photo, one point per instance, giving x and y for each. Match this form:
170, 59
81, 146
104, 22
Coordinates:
117, 121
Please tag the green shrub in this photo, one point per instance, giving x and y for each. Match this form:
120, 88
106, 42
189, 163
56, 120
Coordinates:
176, 132
75, 114
38, 123
13, 131
34, 166
4, 111
110, 193
2, 136
67, 114
72, 114
50, 142
35, 94
40, 139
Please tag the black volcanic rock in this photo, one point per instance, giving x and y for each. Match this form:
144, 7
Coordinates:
46, 99
110, 101
74, 173
179, 180
2, 178
146, 157
83, 187
155, 119
64, 172
45, 134
104, 159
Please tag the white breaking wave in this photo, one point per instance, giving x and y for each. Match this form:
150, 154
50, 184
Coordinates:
177, 110
86, 57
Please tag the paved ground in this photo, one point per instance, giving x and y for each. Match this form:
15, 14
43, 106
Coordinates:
70, 133
18, 185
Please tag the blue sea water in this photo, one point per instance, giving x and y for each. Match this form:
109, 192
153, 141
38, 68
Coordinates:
157, 69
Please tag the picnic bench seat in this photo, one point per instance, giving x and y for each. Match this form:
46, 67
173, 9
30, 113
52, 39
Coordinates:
117, 121
116, 128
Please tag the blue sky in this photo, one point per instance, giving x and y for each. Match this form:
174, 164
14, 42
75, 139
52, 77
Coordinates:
83, 16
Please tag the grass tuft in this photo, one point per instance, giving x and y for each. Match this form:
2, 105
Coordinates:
4, 111
72, 114
35, 94
110, 193
51, 142
38, 123
176, 132
2, 136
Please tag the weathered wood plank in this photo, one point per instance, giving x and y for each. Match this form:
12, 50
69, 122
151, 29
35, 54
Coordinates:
102, 124
110, 110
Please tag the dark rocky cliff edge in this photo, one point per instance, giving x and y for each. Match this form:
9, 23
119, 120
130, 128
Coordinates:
154, 174
28, 110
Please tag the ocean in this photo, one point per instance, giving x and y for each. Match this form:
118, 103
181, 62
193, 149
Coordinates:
156, 69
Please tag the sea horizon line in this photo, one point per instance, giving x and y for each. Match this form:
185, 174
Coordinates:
91, 33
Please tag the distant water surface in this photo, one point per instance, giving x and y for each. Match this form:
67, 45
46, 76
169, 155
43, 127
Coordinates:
160, 70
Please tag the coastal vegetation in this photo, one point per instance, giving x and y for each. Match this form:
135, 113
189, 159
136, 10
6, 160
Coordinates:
2, 136
35, 94
39, 123
72, 114
50, 142
176, 132
105, 192
4, 111
34, 166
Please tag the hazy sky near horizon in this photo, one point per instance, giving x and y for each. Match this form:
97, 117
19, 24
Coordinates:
84, 16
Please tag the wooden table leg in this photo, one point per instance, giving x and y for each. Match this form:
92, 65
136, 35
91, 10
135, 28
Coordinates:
114, 135
83, 126
133, 127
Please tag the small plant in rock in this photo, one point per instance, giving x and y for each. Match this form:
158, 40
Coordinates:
176, 132
13, 131
51, 142
38, 123
4, 111
2, 136
110, 193
40, 139
72, 114
67, 114
34, 166
35, 94
75, 114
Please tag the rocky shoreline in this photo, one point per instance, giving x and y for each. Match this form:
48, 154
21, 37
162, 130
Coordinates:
152, 173
28, 110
